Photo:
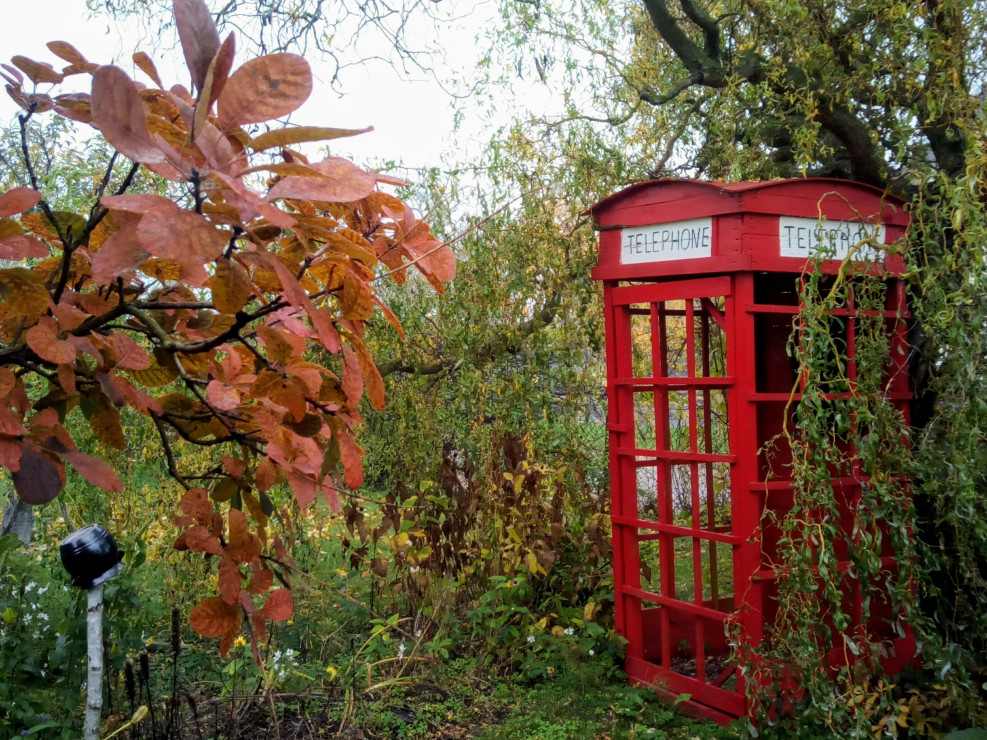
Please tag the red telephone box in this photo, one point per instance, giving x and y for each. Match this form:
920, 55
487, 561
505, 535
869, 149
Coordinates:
701, 294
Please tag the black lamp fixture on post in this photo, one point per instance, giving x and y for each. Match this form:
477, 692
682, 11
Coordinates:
91, 557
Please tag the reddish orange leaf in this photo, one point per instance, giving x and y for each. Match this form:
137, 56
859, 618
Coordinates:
145, 65
11, 75
296, 296
95, 471
65, 50
199, 539
118, 112
352, 377
266, 474
442, 263
181, 236
243, 547
38, 72
200, 40
136, 202
67, 315
263, 89
43, 339
342, 181
351, 455
213, 617
195, 503
230, 581
263, 580
303, 486
227, 640
66, 379
278, 606
390, 179
19, 247
130, 355
234, 466
10, 454
331, 494
17, 201
220, 68
222, 396
10, 423
371, 375
119, 254
389, 315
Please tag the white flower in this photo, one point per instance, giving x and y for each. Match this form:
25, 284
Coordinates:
401, 649
591, 653
30, 587
531, 639
568, 631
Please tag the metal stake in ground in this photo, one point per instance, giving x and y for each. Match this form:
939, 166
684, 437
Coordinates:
91, 557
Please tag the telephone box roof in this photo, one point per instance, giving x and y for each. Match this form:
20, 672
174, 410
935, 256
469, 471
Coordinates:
662, 228
770, 196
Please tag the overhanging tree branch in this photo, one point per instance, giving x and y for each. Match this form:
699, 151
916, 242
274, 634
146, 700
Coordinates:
704, 63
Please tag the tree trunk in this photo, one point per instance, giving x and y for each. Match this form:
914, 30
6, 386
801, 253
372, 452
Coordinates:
18, 519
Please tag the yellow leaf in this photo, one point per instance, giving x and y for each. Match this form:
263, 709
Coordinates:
9, 227
156, 376
23, 293
533, 565
105, 424
355, 299
300, 134
160, 269
230, 286
588, 611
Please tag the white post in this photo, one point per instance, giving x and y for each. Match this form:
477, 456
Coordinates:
94, 674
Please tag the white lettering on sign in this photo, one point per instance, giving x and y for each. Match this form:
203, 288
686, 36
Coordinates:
808, 237
679, 240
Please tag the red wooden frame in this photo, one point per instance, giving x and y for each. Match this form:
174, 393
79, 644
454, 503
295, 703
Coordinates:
698, 381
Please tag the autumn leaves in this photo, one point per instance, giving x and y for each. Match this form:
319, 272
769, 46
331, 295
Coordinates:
229, 306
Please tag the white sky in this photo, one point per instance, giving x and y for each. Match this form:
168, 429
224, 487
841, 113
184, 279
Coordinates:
411, 115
